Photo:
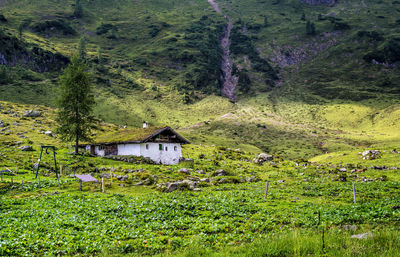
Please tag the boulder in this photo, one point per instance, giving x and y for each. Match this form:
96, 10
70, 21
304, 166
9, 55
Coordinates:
252, 179
263, 157
123, 178
172, 187
200, 171
206, 180
220, 173
26, 148
48, 133
342, 169
32, 114
184, 171
362, 236
371, 154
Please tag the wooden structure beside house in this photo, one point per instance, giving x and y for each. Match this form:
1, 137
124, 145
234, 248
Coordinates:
160, 144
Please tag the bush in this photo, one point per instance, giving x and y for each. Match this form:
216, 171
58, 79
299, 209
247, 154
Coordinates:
58, 25
105, 28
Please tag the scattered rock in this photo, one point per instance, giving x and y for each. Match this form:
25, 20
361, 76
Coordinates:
350, 227
207, 180
371, 154
342, 169
123, 178
26, 148
263, 157
32, 114
252, 179
281, 181
172, 187
105, 175
200, 171
362, 236
48, 133
184, 171
220, 173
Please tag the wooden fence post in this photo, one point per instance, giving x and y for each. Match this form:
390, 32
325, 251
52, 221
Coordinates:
354, 193
323, 240
80, 185
102, 184
266, 190
111, 175
39, 182
319, 217
1, 175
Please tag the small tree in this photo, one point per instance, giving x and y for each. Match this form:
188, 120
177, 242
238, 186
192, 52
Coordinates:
100, 59
265, 21
78, 11
75, 103
21, 27
82, 49
310, 28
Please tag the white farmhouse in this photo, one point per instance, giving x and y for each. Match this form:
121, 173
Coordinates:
160, 144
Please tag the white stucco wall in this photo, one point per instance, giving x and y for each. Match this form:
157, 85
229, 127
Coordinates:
166, 156
170, 153
129, 149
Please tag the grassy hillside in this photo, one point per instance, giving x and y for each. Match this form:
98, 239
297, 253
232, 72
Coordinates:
160, 61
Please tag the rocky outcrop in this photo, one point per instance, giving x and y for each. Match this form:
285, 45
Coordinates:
319, 2
16, 52
32, 114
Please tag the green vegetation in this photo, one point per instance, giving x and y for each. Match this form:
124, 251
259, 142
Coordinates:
317, 86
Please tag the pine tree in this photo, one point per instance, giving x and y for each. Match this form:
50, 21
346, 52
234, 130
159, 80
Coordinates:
78, 11
75, 103
82, 48
100, 59
265, 21
310, 28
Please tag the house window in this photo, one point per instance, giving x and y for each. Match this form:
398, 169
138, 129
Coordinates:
160, 147
102, 147
175, 148
147, 146
166, 148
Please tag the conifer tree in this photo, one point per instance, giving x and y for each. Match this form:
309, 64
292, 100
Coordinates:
78, 11
82, 49
75, 103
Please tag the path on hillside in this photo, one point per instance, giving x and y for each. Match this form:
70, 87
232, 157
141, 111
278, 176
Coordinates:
229, 81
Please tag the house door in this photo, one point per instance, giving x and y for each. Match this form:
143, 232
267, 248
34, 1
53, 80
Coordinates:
111, 150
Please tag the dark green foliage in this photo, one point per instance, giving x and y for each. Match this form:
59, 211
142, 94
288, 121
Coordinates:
303, 17
82, 49
76, 103
4, 75
310, 28
60, 26
105, 28
265, 21
340, 25
392, 50
372, 35
389, 52
78, 11
204, 58
2, 18
244, 82
100, 58
242, 44
154, 30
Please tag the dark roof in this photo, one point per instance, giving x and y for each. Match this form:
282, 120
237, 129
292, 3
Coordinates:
136, 135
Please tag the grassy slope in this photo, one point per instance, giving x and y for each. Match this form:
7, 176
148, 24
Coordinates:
325, 103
